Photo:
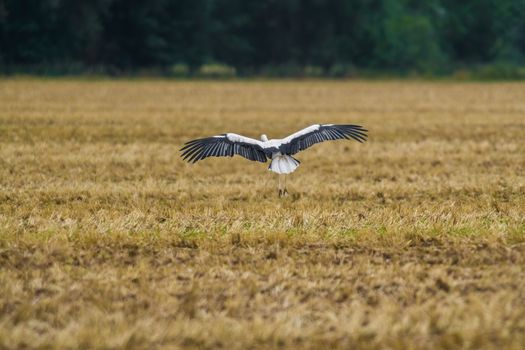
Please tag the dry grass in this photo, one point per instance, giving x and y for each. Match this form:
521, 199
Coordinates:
413, 240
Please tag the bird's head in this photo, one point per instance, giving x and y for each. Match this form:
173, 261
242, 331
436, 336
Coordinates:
264, 138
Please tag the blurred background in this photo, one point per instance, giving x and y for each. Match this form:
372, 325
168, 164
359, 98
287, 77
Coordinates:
225, 38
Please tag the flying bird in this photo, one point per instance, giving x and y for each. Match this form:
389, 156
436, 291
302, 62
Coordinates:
279, 151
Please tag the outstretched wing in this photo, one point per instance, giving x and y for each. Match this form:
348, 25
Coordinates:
318, 133
225, 145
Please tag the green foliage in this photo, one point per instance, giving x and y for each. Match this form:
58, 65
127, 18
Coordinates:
408, 43
278, 38
499, 70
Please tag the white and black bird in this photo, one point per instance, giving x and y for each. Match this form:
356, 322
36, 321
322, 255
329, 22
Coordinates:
279, 151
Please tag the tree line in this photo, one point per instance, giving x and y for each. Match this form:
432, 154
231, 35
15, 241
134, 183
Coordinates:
325, 37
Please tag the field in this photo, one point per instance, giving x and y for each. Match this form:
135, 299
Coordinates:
415, 239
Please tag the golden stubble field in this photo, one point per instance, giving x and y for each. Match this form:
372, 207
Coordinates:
415, 239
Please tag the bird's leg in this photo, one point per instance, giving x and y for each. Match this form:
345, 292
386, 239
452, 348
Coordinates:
281, 191
285, 191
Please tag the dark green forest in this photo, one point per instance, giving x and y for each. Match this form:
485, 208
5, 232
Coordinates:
262, 37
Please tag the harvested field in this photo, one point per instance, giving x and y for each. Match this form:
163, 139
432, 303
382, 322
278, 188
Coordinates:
415, 239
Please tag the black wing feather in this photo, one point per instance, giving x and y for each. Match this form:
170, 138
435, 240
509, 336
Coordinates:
324, 133
220, 146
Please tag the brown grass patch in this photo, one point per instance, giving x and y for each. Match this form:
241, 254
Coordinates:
415, 239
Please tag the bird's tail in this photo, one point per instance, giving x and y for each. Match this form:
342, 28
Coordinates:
283, 164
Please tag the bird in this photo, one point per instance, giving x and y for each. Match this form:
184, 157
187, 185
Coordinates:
279, 151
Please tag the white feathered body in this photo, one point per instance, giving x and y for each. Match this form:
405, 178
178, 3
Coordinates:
280, 163
283, 164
